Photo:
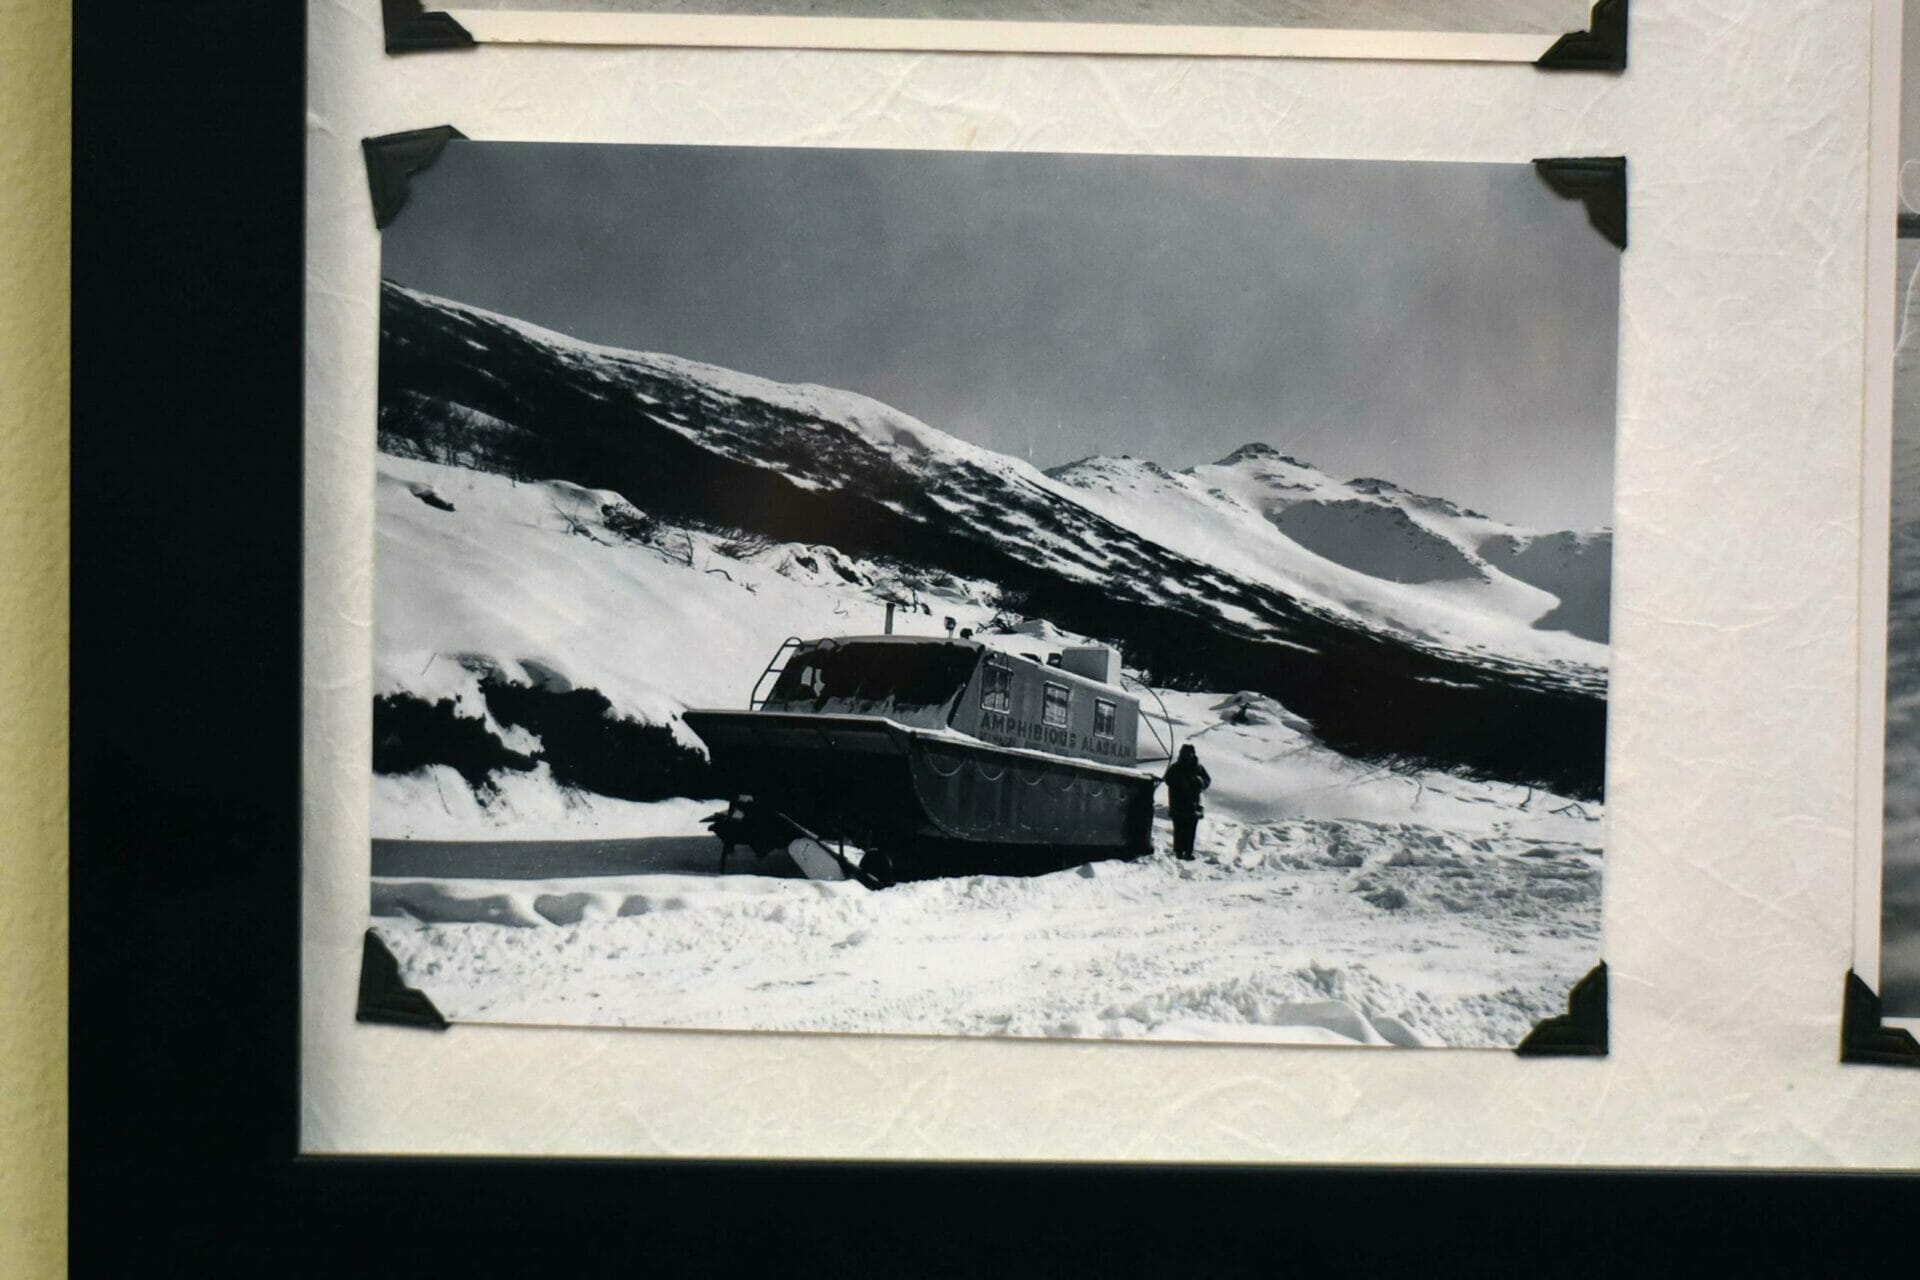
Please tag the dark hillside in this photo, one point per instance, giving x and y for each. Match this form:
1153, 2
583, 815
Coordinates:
463, 387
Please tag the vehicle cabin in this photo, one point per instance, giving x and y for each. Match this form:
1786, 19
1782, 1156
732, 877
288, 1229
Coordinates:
1065, 703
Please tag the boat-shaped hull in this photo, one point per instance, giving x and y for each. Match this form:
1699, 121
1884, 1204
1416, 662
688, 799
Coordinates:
928, 803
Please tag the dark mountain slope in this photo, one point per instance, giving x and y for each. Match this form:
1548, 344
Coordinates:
695, 443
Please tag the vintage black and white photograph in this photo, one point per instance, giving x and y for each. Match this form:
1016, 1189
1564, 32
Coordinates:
1888, 941
1011, 594
1541, 17
1489, 30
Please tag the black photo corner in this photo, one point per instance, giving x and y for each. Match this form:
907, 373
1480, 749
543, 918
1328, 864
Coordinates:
187, 494
1597, 182
1863, 1036
1601, 47
1580, 1032
413, 28
393, 159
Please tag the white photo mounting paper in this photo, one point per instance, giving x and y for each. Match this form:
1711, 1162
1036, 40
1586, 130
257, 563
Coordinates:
1467, 30
1007, 594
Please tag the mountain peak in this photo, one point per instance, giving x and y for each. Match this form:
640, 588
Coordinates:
1259, 451
1373, 486
1105, 464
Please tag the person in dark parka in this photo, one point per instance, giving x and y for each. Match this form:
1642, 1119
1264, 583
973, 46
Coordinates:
1186, 779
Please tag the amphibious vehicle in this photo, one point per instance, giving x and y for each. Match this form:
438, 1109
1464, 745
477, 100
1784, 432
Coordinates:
892, 757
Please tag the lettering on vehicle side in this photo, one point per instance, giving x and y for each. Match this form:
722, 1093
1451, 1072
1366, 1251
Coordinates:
1004, 730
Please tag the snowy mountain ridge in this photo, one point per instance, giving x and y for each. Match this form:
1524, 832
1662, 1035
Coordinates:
910, 444
1421, 566
1445, 668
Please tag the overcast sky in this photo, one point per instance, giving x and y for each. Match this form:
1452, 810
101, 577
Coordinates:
1451, 327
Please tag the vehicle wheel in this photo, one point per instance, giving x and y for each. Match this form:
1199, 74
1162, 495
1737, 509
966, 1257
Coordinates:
878, 865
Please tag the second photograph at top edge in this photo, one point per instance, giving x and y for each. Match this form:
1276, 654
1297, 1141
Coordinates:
1579, 34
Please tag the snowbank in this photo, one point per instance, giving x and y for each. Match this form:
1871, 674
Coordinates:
1268, 767
437, 804
1290, 938
536, 581
1332, 903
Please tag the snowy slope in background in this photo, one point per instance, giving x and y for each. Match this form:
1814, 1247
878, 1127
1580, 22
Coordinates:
1393, 560
546, 582
534, 572
535, 580
1390, 532
1381, 672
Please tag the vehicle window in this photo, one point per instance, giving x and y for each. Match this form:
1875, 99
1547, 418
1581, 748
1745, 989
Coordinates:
1058, 698
996, 688
872, 679
1103, 718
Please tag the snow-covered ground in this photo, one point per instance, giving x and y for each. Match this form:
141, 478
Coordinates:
1332, 902
1297, 932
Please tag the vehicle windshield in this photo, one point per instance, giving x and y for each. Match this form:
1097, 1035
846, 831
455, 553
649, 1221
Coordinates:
914, 684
